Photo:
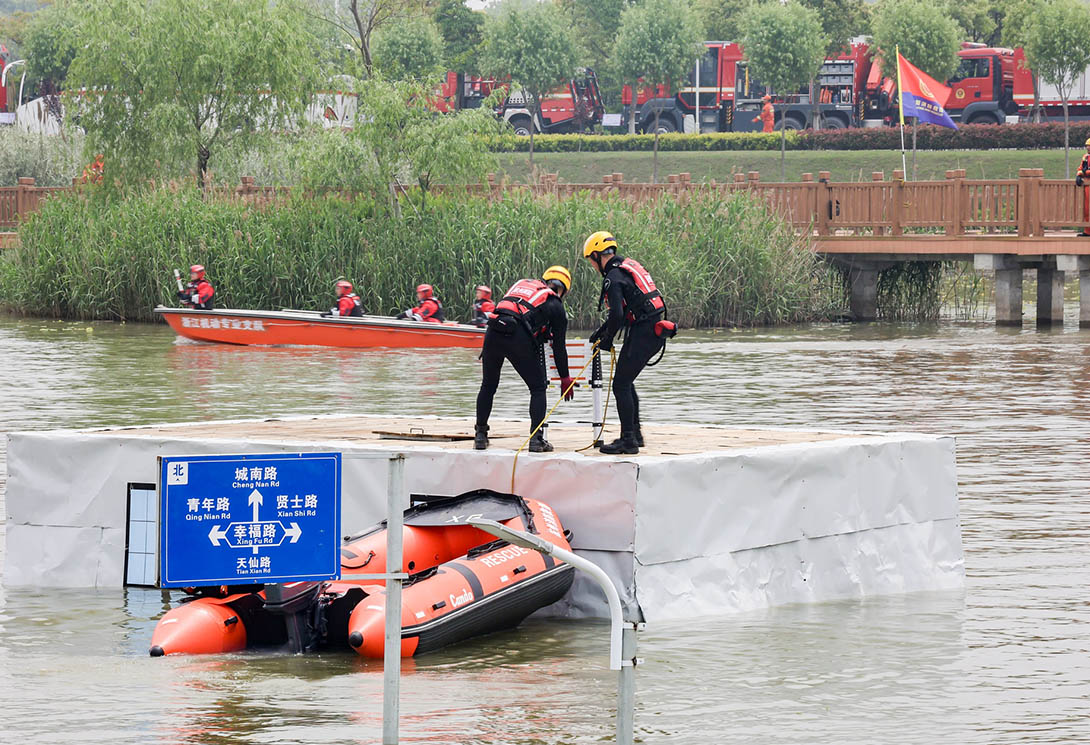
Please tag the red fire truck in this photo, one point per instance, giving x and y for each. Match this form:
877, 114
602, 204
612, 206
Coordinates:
851, 91
575, 107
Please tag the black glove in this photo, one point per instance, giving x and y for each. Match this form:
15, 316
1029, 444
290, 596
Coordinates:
1078, 179
183, 295
401, 316
326, 313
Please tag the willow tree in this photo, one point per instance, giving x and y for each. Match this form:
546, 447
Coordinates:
533, 47
170, 81
785, 47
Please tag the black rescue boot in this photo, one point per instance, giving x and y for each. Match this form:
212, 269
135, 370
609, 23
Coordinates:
480, 437
623, 445
538, 443
637, 436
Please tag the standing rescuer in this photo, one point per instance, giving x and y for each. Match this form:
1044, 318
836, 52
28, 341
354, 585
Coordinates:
348, 302
198, 292
636, 305
1082, 179
530, 313
767, 117
482, 306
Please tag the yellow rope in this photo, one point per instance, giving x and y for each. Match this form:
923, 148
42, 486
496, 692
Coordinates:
514, 465
605, 409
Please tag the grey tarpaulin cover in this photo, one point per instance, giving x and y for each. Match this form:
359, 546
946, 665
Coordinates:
680, 535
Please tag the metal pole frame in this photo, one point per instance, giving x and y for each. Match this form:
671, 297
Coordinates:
391, 657
396, 502
622, 633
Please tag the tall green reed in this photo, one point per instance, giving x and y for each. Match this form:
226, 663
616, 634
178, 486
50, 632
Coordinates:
719, 260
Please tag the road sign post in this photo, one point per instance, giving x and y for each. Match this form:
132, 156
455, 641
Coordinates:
248, 519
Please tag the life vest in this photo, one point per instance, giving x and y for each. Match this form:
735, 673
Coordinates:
481, 310
650, 300
352, 308
524, 301
199, 294
436, 316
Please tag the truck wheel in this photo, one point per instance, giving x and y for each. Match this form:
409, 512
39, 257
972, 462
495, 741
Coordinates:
833, 122
788, 123
666, 126
521, 125
984, 119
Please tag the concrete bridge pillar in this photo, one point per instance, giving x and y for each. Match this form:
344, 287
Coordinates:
1008, 287
1080, 264
1050, 296
863, 281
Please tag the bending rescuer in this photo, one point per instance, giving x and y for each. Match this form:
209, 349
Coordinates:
428, 306
635, 305
483, 306
530, 313
348, 302
198, 292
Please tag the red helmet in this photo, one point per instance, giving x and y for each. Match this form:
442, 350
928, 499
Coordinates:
197, 269
424, 291
485, 290
343, 287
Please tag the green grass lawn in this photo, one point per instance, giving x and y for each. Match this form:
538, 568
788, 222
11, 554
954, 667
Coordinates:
844, 165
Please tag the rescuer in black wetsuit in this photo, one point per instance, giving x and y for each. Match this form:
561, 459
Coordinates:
530, 313
635, 305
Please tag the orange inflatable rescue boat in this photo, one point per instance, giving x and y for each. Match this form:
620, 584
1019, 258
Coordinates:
462, 583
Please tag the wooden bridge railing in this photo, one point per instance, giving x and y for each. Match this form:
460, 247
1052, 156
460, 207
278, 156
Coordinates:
956, 206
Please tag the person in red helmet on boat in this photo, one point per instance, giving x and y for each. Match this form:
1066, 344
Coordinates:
483, 306
198, 292
428, 309
348, 302
528, 315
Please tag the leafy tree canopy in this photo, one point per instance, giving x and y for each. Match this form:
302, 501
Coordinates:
926, 35
412, 50
462, 32
49, 46
721, 19
841, 21
784, 44
531, 45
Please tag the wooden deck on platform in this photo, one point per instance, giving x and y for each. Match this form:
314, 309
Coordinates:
506, 434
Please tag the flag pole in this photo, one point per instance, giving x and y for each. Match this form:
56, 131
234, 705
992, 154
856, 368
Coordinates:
901, 110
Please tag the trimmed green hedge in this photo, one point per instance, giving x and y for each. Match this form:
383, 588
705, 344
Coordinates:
929, 137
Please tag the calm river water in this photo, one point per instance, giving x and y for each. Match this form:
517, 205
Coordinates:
1005, 661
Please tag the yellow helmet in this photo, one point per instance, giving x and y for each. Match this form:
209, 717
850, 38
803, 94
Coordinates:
1087, 143
560, 274
600, 241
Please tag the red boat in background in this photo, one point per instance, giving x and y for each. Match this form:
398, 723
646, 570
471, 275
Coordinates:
312, 329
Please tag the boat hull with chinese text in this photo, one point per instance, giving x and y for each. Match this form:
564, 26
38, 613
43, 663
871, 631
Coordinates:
308, 328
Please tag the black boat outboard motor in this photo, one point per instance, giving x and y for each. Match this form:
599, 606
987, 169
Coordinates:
300, 603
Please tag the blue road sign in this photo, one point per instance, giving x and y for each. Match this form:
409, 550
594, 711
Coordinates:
240, 519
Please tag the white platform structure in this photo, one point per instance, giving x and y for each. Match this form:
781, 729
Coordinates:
704, 521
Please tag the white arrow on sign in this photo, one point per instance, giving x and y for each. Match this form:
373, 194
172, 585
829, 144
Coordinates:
255, 501
294, 531
215, 534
